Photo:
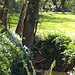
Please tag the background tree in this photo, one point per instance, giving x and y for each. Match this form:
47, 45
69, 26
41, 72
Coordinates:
6, 3
30, 22
19, 29
4, 12
63, 5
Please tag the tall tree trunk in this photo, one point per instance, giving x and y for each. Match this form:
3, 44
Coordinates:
19, 28
14, 3
6, 3
63, 3
3, 13
30, 22
55, 3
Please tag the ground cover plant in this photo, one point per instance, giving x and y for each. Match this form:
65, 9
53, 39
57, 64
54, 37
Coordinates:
12, 53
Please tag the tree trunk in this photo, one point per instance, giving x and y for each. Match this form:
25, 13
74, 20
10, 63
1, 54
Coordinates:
5, 13
63, 3
19, 28
14, 3
28, 33
30, 22
55, 3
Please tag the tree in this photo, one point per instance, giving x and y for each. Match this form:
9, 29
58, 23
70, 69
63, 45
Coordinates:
19, 29
30, 22
4, 12
62, 5
6, 2
45, 4
55, 2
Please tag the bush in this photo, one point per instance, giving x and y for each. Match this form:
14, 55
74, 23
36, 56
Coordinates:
69, 54
12, 53
55, 46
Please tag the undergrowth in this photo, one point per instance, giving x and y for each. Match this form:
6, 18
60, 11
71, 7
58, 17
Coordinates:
12, 53
56, 45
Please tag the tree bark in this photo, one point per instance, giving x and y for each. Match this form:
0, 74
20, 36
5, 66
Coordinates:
19, 28
30, 22
3, 13
6, 3
55, 3
63, 3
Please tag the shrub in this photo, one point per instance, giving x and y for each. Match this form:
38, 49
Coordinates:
69, 54
12, 53
53, 44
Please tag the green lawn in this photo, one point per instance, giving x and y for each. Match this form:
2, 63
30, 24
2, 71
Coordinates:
52, 21
57, 21
13, 21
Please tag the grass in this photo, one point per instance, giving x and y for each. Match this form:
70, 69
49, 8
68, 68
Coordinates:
13, 21
51, 21
57, 21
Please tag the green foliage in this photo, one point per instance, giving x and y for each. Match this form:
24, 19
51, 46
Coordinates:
49, 72
68, 5
25, 66
69, 53
4, 65
15, 6
12, 53
56, 45
52, 66
53, 44
34, 73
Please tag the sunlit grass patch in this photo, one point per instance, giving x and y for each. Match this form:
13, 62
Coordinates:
57, 21
51, 21
13, 20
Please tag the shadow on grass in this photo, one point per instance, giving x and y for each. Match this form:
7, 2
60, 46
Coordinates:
54, 19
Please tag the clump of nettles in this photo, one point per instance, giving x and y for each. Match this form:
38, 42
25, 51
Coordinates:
12, 53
